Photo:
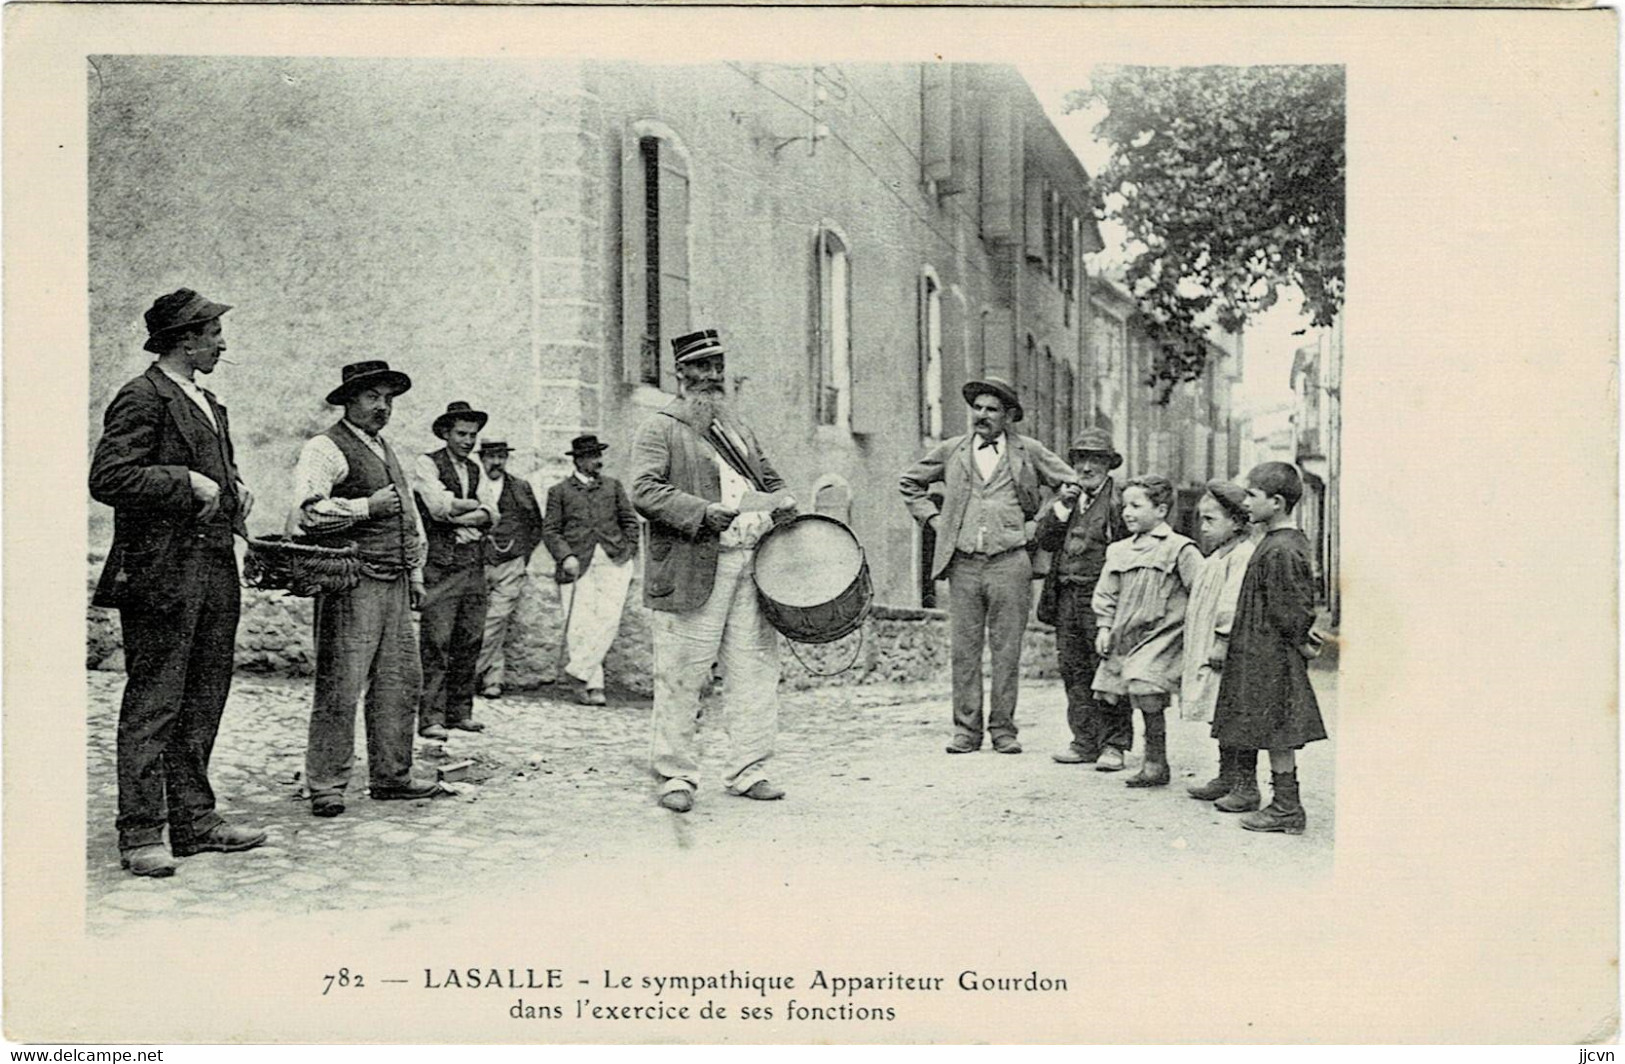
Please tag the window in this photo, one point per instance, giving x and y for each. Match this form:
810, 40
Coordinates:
649, 364
930, 355
1052, 216
832, 372
1043, 406
1035, 201
1066, 428
655, 234
1069, 265
1026, 383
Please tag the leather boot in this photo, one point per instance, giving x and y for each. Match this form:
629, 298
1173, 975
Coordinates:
1154, 767
1284, 813
1243, 796
1218, 786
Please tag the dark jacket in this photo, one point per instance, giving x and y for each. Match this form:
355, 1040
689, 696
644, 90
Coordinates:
519, 526
1265, 700
153, 438
579, 517
1099, 524
1033, 467
674, 478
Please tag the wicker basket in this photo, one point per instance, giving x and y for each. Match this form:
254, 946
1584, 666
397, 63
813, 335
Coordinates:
277, 563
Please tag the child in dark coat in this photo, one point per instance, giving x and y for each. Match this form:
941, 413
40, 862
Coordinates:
1265, 701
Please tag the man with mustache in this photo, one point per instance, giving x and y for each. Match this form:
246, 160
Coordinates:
696, 470
984, 529
165, 465
1077, 530
350, 490
592, 533
508, 547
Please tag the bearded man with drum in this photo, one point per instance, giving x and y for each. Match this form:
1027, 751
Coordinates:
700, 479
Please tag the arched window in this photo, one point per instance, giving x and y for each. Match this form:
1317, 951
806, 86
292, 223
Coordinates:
930, 354
832, 370
655, 237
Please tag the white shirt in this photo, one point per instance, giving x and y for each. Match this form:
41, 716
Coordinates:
437, 498
747, 528
194, 393
490, 489
987, 458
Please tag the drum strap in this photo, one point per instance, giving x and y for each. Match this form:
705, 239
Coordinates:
732, 448
857, 649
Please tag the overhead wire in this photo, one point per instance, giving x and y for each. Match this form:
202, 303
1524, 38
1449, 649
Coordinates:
888, 185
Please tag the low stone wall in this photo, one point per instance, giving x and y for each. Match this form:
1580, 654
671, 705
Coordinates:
896, 644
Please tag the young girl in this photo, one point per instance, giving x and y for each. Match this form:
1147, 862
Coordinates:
1222, 514
1139, 607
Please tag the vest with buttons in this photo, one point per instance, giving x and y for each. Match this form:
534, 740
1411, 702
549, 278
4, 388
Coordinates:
381, 541
1083, 554
994, 521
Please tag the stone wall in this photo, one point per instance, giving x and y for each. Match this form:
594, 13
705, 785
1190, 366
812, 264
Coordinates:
274, 638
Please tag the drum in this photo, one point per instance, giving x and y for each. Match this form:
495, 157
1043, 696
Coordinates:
812, 579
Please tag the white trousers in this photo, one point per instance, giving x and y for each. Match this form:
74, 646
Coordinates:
730, 627
592, 607
504, 583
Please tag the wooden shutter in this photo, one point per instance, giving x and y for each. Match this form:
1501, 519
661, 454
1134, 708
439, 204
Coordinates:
816, 367
997, 171
674, 267
936, 121
962, 129
634, 260
954, 331
1034, 201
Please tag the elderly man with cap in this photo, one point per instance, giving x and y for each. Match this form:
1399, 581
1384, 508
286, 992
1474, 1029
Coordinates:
592, 532
350, 491
165, 464
447, 483
992, 480
1076, 530
709, 493
507, 550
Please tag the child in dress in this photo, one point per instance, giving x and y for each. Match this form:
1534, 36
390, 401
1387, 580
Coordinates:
1222, 514
1265, 701
1139, 608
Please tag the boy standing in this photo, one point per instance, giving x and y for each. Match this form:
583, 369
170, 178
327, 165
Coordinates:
1139, 606
1265, 701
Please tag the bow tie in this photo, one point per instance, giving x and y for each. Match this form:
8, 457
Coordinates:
988, 443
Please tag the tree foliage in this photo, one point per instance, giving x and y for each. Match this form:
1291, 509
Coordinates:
1229, 182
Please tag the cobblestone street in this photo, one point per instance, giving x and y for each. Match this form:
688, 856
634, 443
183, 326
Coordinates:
555, 785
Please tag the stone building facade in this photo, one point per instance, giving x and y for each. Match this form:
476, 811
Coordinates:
527, 236
1317, 421
1192, 437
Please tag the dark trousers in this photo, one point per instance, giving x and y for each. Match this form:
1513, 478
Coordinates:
1095, 725
989, 599
364, 643
449, 639
179, 665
